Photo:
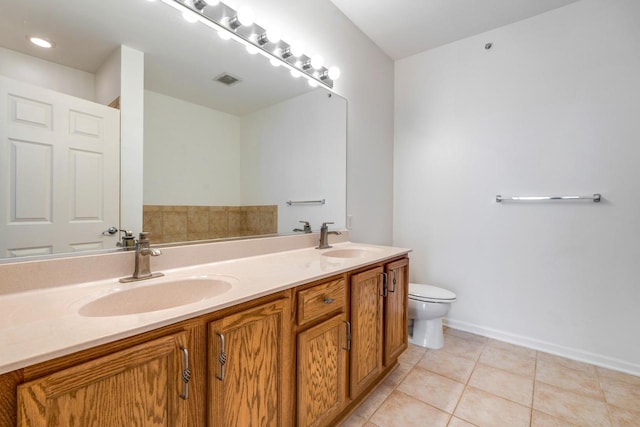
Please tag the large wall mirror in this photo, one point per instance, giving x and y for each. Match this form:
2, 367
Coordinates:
202, 160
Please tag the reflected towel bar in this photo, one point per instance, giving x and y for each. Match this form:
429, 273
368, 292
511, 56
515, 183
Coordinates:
595, 198
306, 202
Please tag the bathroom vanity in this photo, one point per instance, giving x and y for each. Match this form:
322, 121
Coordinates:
299, 338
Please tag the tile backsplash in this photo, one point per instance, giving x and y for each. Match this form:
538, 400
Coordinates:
188, 223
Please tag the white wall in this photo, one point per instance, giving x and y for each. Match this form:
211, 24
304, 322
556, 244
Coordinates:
108, 79
182, 137
551, 109
295, 150
131, 137
46, 74
367, 84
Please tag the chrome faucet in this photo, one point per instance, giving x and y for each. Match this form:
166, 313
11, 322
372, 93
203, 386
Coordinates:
306, 229
324, 236
142, 268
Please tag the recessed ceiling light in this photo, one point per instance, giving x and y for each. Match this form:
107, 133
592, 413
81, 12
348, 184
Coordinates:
39, 41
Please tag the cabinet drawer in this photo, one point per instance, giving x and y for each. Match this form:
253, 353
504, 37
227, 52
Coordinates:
320, 300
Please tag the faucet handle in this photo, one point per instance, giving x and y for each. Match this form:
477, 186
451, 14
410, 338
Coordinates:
325, 224
305, 223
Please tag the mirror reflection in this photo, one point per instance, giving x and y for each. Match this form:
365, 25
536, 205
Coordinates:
127, 79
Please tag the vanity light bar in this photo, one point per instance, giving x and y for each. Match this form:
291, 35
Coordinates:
255, 38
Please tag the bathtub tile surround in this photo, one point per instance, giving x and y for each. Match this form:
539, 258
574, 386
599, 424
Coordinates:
168, 223
498, 384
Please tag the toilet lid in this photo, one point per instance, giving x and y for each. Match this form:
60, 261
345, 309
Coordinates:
430, 292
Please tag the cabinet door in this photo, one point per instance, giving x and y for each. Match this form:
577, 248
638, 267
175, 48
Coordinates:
395, 310
248, 359
366, 327
322, 372
140, 386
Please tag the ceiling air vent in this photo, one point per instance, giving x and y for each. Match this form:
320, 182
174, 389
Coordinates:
227, 79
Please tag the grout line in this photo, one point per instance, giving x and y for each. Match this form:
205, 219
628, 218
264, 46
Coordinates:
533, 389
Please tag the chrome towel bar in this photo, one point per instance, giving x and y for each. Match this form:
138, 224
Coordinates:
499, 199
306, 202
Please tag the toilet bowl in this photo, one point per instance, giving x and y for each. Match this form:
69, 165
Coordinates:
427, 306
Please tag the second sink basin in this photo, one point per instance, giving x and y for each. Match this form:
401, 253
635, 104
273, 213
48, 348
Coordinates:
349, 253
157, 296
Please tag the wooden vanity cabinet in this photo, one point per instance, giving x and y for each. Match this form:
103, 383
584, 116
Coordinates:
249, 361
366, 323
322, 352
139, 386
306, 356
395, 310
379, 298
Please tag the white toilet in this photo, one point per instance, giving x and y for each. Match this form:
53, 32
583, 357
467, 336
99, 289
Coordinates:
427, 306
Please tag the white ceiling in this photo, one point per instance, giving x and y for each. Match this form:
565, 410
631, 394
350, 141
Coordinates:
403, 28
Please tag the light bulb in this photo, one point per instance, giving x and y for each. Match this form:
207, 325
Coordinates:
189, 17
274, 35
313, 83
246, 16
39, 41
334, 73
297, 49
295, 73
317, 62
274, 62
252, 49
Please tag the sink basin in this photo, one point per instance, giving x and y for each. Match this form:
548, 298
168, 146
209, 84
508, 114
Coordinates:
349, 253
156, 296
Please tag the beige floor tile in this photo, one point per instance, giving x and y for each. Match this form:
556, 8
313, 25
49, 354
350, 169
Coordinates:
505, 384
457, 422
567, 363
412, 354
354, 421
624, 417
487, 410
373, 401
618, 376
465, 335
516, 349
461, 347
507, 361
446, 364
432, 388
540, 419
398, 374
575, 408
583, 381
403, 410
621, 394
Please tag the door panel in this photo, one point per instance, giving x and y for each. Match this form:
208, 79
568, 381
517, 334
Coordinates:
59, 171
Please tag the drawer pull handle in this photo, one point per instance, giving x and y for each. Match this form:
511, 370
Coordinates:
385, 285
394, 281
186, 374
328, 300
222, 358
348, 347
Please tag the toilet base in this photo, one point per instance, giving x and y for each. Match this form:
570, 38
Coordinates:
427, 333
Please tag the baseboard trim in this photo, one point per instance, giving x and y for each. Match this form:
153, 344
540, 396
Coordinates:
558, 350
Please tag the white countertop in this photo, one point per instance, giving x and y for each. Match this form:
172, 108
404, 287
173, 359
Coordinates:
42, 324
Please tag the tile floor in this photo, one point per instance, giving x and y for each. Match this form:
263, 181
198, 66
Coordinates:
475, 381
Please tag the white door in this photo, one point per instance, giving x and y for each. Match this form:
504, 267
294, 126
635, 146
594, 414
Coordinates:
59, 171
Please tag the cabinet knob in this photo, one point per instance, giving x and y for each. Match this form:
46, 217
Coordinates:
328, 300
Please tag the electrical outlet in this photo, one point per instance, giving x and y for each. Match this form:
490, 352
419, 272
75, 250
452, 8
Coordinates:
349, 222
